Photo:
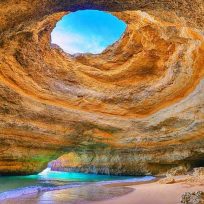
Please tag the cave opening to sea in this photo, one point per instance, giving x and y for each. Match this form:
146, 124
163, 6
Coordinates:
87, 31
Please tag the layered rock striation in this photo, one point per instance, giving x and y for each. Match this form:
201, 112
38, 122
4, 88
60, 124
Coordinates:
137, 108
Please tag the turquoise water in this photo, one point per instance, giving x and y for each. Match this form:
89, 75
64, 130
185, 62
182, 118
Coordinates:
53, 180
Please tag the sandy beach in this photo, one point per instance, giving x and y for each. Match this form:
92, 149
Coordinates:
154, 193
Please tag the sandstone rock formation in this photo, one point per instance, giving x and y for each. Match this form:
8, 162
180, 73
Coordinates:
137, 108
193, 198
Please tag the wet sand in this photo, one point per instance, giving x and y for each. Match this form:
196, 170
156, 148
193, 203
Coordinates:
79, 195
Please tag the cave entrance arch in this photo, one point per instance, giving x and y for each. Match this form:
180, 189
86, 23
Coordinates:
50, 107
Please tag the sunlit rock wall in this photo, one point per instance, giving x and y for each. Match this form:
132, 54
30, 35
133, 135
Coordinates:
137, 108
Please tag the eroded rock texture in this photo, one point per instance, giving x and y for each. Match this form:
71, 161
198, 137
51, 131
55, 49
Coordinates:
137, 108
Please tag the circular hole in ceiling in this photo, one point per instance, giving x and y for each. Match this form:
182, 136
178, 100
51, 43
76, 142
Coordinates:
87, 31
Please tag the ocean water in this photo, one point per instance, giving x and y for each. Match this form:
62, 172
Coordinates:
16, 186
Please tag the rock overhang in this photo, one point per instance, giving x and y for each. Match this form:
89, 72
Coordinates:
141, 99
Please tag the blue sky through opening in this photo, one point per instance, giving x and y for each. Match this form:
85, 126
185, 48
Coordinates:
87, 31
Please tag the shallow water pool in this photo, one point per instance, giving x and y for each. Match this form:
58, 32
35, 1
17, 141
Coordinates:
13, 186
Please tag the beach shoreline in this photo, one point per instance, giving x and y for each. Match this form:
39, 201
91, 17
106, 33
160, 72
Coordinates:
17, 194
161, 190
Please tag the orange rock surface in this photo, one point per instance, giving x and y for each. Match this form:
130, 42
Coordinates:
137, 108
